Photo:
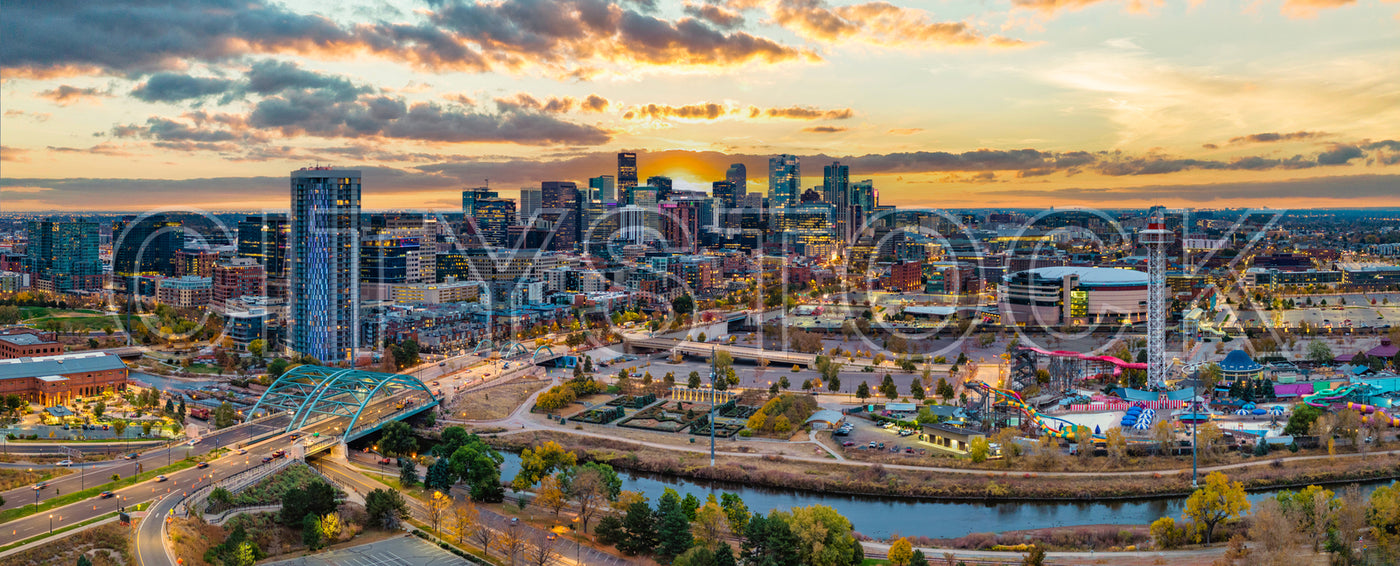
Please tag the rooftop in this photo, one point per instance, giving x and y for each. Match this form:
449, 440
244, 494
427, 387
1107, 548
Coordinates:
1093, 275
1239, 361
23, 339
44, 366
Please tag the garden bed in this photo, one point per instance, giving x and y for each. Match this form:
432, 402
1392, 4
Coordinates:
665, 417
271, 489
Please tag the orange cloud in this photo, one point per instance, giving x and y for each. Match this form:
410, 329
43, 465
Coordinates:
876, 23
824, 130
716, 111
1299, 9
801, 113
65, 95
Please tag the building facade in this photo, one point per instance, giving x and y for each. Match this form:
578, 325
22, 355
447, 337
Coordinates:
325, 282
784, 180
62, 256
57, 380
1075, 295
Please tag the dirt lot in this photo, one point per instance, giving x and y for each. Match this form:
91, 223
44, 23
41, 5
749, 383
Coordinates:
495, 402
107, 545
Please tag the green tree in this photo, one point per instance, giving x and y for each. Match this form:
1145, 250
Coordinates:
693, 381
1319, 352
317, 498
439, 475
119, 427
539, 462
311, 531
385, 507
224, 415
735, 511
683, 305
479, 466
825, 537
396, 439
1301, 421
863, 391
408, 473
277, 367
1215, 502
673, 527
979, 449
917, 558
99, 408
638, 529
257, 348
769, 541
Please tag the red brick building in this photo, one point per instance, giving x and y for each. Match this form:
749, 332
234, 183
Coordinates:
905, 276
55, 380
239, 277
21, 342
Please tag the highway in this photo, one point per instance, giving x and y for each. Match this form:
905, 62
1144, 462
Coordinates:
94, 473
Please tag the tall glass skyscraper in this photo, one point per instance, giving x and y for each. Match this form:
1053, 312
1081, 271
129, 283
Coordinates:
602, 188
626, 171
325, 263
784, 180
62, 255
739, 175
836, 191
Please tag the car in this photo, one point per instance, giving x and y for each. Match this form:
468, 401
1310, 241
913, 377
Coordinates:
279, 454
848, 444
384, 461
242, 451
315, 435
909, 450
41, 485
266, 459
192, 442
906, 432
132, 456
295, 435
442, 364
106, 495
161, 479
872, 444
435, 384
66, 463
202, 465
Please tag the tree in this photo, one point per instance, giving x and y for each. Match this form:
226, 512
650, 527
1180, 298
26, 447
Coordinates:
1310, 512
978, 450
542, 550
119, 427
1035, 556
683, 305
224, 415
99, 408
736, 513
1300, 423
551, 495
317, 498
916, 558
1164, 433
543, 460
439, 475
311, 531
385, 507
1165, 534
863, 391
673, 527
465, 518
901, 552
710, 522
639, 530
512, 541
1217, 501
1117, 445
1210, 375
693, 381
591, 485
408, 473
825, 537
916, 389
257, 347
1319, 352
437, 507
330, 528
246, 555
396, 439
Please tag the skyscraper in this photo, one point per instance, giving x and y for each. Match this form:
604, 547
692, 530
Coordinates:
325, 285
263, 238
738, 175
784, 180
145, 245
494, 217
62, 256
471, 196
728, 203
626, 171
530, 200
836, 191
663, 186
602, 188
559, 203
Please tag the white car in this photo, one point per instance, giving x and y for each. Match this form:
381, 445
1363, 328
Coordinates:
193, 442
66, 463
242, 451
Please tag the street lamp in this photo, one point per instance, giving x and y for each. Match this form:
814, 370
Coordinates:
50, 523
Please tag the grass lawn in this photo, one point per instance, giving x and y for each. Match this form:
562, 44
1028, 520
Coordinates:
203, 368
77, 322
31, 312
69, 498
495, 402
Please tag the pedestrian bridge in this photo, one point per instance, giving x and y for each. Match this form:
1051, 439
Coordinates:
362, 400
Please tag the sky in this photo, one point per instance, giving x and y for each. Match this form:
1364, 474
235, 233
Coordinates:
209, 104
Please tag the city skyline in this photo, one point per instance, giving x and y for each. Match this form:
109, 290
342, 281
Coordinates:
959, 105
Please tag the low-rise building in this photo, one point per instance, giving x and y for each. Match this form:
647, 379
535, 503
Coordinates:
437, 293
190, 291
17, 343
55, 380
951, 438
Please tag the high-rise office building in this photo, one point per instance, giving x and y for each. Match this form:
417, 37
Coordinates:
836, 191
493, 218
530, 200
864, 199
559, 203
663, 186
784, 180
62, 256
325, 283
263, 238
145, 245
727, 200
603, 188
384, 262
471, 196
626, 171
738, 175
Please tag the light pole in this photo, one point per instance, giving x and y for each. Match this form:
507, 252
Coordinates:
50, 523
714, 379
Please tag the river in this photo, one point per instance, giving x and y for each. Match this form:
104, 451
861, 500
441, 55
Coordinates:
882, 517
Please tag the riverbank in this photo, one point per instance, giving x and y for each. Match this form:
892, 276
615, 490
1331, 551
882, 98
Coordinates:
913, 483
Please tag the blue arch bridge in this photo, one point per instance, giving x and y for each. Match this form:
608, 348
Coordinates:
340, 405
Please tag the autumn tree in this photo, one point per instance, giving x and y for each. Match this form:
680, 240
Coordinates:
1217, 501
901, 552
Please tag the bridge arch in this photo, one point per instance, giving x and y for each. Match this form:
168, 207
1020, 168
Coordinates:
513, 349
309, 392
484, 342
543, 348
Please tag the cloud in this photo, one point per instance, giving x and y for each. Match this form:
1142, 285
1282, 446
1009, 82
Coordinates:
721, 17
703, 111
824, 130
177, 87
1339, 154
1300, 9
1270, 137
1349, 188
904, 131
801, 113
552, 105
594, 103
560, 37
65, 95
1050, 7
876, 23
15, 154
36, 116
104, 148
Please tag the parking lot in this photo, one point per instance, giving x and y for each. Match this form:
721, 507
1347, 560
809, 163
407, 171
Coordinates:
863, 432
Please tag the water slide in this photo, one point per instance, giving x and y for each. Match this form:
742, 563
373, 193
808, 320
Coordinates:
1369, 412
1065, 429
1325, 398
1118, 365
